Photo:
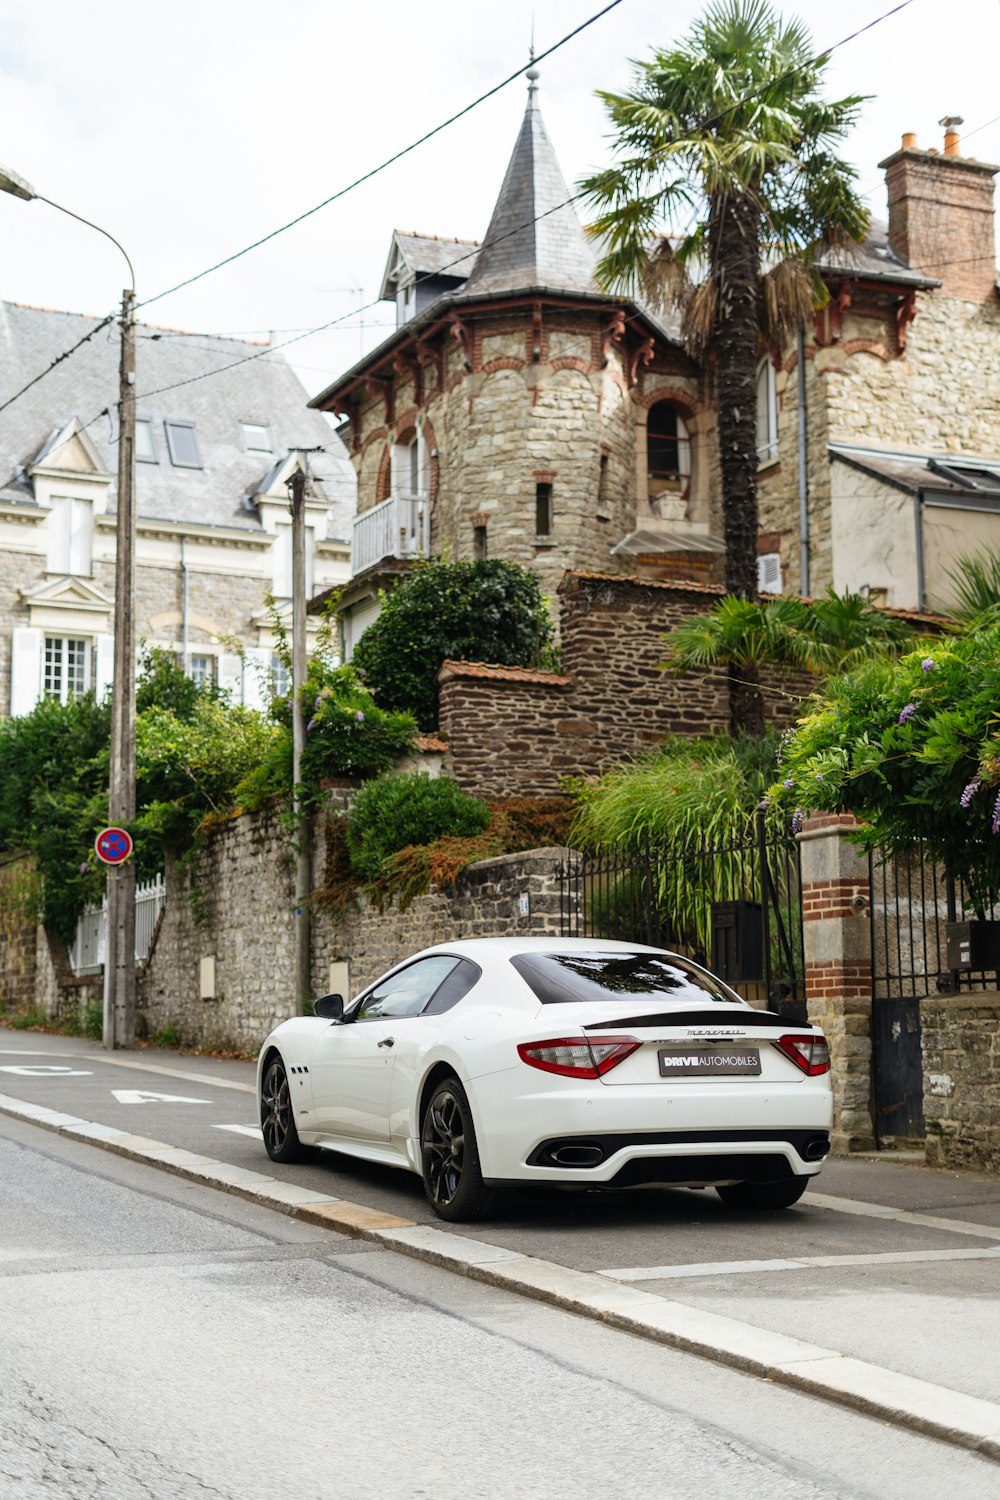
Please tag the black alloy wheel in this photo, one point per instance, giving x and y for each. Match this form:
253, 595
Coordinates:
453, 1180
281, 1139
763, 1197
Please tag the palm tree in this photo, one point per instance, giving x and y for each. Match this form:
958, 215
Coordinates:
834, 634
727, 130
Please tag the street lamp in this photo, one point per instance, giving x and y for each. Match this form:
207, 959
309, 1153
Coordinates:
119, 957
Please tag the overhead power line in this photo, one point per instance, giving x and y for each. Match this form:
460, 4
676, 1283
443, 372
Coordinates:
389, 161
58, 361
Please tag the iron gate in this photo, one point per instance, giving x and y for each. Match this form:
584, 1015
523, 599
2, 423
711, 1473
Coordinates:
735, 906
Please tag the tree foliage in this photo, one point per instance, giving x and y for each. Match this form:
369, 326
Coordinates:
488, 611
912, 748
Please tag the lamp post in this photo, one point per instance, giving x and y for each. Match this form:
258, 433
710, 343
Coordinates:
119, 957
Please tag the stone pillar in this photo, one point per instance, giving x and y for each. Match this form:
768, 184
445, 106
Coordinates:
836, 901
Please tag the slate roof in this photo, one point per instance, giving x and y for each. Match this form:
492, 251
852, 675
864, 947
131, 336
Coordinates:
265, 391
535, 238
873, 260
944, 473
428, 255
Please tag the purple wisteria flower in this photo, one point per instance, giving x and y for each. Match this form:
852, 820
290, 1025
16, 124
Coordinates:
319, 702
927, 664
907, 713
996, 815
798, 818
310, 726
359, 716
788, 783
763, 805
84, 868
970, 792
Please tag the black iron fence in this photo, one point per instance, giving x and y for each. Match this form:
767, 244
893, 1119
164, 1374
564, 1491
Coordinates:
735, 906
918, 949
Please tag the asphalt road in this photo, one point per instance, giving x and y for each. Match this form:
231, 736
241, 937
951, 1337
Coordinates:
165, 1341
916, 1294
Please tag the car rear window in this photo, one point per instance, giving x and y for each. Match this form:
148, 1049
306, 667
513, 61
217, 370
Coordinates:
560, 977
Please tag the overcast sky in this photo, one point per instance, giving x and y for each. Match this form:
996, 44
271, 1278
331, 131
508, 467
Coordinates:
190, 129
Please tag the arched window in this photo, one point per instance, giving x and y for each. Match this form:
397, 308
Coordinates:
767, 414
668, 447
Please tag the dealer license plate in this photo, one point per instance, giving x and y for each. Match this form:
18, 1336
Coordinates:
714, 1062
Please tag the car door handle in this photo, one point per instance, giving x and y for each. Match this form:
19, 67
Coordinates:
388, 1041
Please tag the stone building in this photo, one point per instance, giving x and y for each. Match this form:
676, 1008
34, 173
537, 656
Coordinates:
519, 412
213, 528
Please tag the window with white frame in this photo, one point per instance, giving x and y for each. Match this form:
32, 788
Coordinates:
145, 445
65, 668
767, 414
257, 439
182, 441
70, 540
668, 446
281, 677
408, 466
282, 557
202, 670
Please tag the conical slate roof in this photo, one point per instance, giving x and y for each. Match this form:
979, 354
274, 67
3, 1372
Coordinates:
534, 238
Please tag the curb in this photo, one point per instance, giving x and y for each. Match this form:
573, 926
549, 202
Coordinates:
932, 1410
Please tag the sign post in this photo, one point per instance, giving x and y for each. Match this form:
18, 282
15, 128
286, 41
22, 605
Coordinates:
113, 846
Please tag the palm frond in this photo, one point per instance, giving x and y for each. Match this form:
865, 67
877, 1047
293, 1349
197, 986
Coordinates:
975, 583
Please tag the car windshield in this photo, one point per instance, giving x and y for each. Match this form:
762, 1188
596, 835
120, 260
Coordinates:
559, 977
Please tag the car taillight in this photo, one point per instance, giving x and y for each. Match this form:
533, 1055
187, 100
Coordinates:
577, 1056
807, 1051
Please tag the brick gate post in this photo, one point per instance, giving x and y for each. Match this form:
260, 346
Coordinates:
836, 937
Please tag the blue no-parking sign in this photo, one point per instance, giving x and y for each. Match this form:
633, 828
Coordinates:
113, 845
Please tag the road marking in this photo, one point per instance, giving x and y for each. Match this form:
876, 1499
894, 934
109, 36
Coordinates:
920, 1405
900, 1216
252, 1130
142, 1096
798, 1263
45, 1070
203, 1079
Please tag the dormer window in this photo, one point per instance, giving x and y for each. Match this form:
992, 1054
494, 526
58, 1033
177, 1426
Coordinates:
71, 528
182, 442
145, 447
257, 439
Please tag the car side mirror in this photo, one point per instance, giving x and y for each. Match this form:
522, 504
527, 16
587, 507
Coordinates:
330, 1007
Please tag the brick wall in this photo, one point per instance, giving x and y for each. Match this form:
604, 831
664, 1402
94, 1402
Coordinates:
836, 897
961, 1046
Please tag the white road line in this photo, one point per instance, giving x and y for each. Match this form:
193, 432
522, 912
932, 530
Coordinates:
920, 1405
799, 1263
254, 1131
202, 1078
900, 1216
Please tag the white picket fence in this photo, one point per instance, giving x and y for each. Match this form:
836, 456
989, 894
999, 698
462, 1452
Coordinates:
86, 954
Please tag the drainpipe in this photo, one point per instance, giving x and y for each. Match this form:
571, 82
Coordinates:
918, 532
185, 651
803, 465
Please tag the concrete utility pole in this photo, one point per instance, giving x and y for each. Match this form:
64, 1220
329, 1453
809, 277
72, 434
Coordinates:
303, 831
119, 957
119, 960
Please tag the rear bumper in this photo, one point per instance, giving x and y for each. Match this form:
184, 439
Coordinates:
686, 1132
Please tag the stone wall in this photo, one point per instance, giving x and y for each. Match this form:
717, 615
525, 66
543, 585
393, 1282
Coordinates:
19, 894
513, 733
228, 929
961, 1047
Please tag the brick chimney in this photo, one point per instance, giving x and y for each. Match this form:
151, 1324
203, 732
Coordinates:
941, 214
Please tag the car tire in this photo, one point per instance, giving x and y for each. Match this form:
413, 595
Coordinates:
449, 1154
277, 1122
763, 1196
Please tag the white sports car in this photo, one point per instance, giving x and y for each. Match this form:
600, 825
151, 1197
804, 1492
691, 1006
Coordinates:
502, 1061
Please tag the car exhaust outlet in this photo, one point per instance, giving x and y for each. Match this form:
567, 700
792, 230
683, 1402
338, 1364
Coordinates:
577, 1156
815, 1149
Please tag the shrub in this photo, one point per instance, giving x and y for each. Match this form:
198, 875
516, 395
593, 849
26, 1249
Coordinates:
912, 748
395, 811
469, 611
685, 791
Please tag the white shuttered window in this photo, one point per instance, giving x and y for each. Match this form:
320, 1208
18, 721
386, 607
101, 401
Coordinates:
71, 528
